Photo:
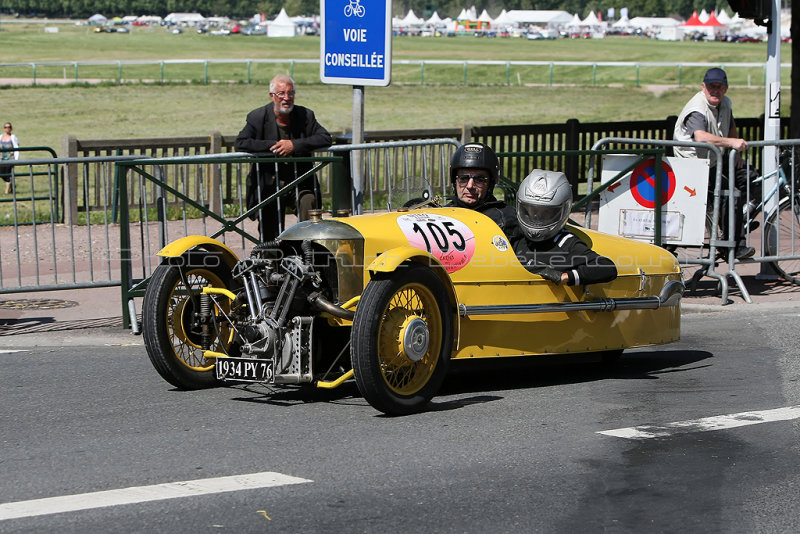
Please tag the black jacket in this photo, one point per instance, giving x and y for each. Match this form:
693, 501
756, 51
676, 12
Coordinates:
566, 252
261, 132
502, 214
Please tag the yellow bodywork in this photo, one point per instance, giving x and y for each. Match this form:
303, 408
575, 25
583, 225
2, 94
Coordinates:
180, 246
494, 276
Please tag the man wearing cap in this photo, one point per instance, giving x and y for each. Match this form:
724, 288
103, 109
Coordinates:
708, 118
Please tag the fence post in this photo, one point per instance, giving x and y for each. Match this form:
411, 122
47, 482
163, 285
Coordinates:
572, 142
466, 133
126, 272
669, 134
215, 173
341, 186
70, 188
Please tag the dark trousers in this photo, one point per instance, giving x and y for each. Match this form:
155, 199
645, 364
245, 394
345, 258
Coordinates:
272, 219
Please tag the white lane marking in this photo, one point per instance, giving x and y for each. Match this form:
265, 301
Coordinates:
138, 494
9, 351
719, 422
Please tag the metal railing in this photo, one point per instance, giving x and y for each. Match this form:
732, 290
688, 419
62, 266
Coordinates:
420, 71
780, 234
139, 211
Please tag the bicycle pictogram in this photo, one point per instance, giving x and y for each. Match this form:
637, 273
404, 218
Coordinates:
354, 8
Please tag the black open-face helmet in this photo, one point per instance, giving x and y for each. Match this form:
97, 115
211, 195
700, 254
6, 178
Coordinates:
475, 156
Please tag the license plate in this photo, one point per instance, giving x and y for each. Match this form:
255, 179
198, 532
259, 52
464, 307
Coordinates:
244, 369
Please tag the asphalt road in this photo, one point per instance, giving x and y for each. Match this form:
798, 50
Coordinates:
504, 448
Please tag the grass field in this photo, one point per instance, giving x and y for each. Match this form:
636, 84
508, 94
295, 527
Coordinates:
43, 115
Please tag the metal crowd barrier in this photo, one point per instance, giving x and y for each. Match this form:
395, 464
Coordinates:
42, 248
778, 237
707, 257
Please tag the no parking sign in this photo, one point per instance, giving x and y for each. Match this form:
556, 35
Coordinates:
627, 207
643, 183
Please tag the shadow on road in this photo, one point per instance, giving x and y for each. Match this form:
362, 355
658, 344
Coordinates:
530, 372
481, 377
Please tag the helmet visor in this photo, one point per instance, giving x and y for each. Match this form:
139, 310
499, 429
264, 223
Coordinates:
539, 216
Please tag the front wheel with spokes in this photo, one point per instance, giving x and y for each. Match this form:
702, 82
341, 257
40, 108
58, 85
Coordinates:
402, 337
172, 337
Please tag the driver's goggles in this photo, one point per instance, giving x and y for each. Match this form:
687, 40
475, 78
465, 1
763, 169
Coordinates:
477, 179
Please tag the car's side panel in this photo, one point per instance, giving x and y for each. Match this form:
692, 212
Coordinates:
563, 332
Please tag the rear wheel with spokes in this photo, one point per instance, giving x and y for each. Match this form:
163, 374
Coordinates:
781, 232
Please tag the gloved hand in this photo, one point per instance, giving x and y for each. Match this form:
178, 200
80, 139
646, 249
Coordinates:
548, 273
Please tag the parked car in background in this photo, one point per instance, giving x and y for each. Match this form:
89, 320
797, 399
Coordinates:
253, 29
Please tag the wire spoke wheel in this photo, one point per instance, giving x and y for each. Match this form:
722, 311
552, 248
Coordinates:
410, 325
186, 341
401, 339
781, 232
173, 339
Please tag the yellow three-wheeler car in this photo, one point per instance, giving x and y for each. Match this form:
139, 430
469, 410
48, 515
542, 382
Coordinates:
390, 299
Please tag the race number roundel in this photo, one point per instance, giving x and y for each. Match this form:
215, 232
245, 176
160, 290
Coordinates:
643, 183
449, 240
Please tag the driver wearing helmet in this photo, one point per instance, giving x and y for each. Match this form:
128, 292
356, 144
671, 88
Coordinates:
548, 249
473, 172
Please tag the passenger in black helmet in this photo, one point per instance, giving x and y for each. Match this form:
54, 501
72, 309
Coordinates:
473, 172
544, 200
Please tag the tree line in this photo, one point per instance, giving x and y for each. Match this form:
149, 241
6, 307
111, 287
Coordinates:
423, 8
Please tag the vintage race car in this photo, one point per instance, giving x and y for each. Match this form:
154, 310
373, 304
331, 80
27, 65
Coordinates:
389, 300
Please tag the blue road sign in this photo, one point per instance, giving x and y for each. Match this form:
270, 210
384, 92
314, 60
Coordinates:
356, 42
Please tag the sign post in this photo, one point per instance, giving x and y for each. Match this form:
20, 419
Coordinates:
356, 49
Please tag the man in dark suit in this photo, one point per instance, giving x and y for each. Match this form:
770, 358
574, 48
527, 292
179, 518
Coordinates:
285, 130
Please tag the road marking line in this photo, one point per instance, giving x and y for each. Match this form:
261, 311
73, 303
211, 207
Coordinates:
138, 494
9, 351
719, 422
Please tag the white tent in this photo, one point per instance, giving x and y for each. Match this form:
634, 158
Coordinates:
411, 19
575, 22
282, 26
503, 19
190, 19
464, 15
434, 19
590, 20
723, 17
485, 17
624, 22
97, 18
703, 16
150, 19
544, 18
653, 22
